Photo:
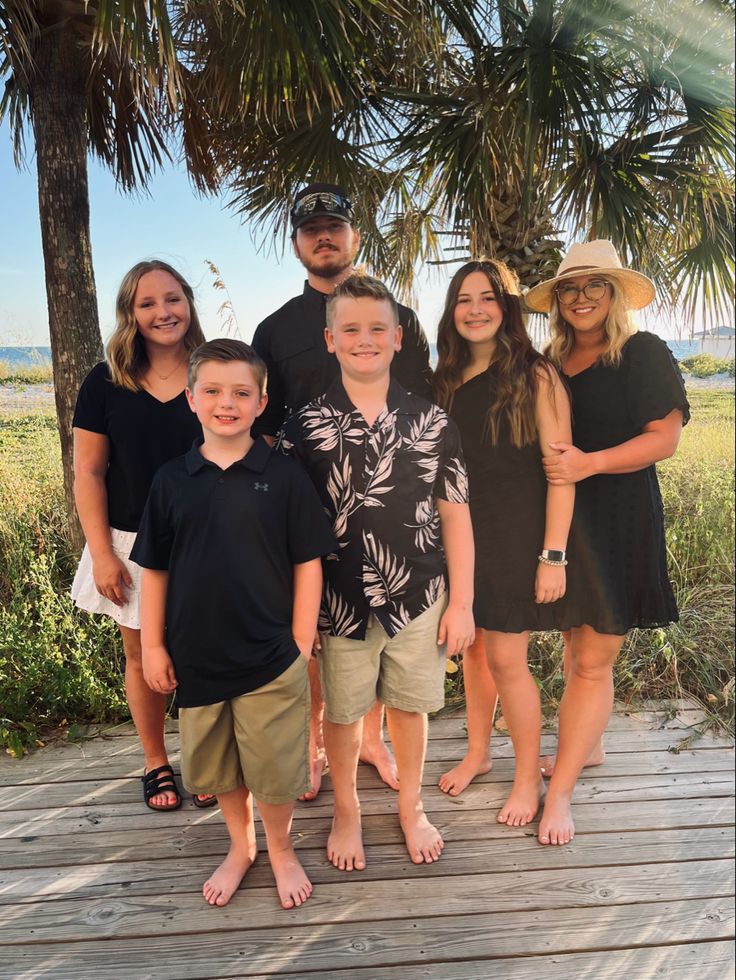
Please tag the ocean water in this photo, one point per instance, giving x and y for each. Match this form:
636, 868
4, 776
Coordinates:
21, 357
29, 356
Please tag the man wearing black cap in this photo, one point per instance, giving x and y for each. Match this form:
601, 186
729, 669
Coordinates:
291, 341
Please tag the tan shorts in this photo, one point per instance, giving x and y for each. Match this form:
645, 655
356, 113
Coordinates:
259, 740
406, 671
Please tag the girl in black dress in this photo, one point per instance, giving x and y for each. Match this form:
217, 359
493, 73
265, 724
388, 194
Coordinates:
629, 407
510, 406
132, 416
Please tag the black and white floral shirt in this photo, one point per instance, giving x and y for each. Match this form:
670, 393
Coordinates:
378, 485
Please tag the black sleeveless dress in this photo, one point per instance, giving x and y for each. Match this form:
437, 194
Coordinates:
617, 572
508, 493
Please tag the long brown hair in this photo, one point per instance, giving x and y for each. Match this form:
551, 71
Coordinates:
126, 352
514, 364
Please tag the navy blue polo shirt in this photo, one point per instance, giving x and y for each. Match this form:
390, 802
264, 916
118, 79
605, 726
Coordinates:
229, 540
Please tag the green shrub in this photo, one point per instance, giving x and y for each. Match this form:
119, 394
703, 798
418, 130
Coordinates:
57, 665
706, 365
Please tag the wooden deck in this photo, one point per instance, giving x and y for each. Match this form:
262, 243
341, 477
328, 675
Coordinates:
92, 885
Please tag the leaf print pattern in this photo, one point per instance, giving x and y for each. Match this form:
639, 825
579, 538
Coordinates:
379, 483
379, 466
343, 496
427, 525
384, 575
336, 616
327, 428
436, 588
400, 617
455, 482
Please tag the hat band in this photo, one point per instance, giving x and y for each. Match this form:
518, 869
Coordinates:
577, 268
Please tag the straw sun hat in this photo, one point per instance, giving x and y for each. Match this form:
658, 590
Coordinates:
592, 257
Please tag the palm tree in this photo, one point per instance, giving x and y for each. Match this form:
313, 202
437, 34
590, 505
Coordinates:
96, 77
126, 82
598, 118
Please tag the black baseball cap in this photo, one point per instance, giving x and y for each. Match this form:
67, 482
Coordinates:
317, 200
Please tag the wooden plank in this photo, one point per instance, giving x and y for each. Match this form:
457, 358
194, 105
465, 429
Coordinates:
122, 756
387, 862
95, 792
345, 944
209, 836
706, 961
482, 795
353, 900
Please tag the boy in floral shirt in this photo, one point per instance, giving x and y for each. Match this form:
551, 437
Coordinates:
389, 470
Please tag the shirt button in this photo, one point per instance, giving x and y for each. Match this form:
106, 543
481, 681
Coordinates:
221, 480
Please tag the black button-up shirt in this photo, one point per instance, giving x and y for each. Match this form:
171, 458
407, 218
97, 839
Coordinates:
379, 485
300, 368
229, 540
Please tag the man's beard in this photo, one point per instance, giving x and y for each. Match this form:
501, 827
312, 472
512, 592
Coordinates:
337, 264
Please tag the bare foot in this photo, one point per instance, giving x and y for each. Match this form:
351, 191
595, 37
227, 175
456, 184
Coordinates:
596, 758
224, 882
317, 766
455, 780
293, 886
522, 804
382, 759
556, 825
423, 841
345, 843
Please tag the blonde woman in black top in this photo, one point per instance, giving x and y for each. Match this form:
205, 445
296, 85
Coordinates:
132, 416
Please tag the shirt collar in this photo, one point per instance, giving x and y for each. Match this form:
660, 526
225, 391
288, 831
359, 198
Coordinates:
397, 400
255, 459
314, 299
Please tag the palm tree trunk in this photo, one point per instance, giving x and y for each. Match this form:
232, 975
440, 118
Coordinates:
58, 110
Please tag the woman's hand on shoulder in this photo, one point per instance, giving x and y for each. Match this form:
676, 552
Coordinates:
550, 583
567, 464
111, 578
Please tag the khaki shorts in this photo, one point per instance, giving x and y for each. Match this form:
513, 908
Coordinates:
259, 740
406, 671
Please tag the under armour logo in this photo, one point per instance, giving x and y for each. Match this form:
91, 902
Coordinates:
260, 486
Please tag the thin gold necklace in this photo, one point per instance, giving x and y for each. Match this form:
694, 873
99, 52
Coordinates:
165, 377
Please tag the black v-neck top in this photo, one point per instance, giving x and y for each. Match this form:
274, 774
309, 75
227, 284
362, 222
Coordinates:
143, 432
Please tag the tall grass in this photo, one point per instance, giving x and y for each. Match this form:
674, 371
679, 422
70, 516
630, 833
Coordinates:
60, 668
27, 374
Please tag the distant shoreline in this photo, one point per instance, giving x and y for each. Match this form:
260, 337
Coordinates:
39, 398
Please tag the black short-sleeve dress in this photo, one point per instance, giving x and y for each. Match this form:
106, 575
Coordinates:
617, 572
508, 493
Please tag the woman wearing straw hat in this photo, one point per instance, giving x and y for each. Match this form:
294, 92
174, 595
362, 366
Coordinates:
629, 406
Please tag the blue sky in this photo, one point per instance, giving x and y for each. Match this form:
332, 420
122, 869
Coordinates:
170, 222
173, 223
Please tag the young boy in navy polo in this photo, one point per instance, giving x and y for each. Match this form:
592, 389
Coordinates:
230, 544
389, 470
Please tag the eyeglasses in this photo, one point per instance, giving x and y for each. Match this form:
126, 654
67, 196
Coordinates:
594, 290
323, 201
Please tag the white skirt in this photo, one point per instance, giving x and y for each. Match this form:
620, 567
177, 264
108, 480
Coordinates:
86, 596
